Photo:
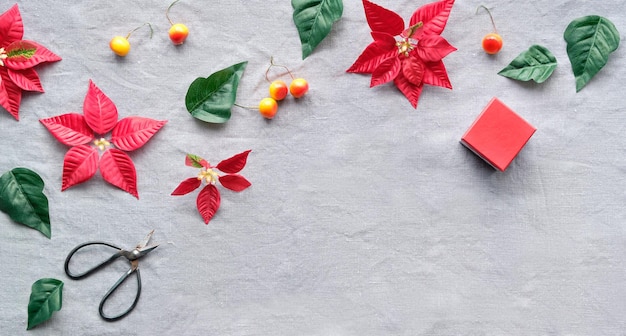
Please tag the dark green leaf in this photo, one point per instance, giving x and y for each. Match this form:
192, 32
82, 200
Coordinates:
46, 297
21, 197
590, 40
536, 63
210, 99
314, 19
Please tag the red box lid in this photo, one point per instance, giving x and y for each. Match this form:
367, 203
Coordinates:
498, 134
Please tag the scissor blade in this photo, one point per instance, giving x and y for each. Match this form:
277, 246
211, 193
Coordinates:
145, 241
145, 250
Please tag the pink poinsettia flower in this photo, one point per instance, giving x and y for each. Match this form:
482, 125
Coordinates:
209, 198
100, 117
409, 57
17, 59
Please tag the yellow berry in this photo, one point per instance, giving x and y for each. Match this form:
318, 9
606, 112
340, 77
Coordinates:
268, 107
120, 45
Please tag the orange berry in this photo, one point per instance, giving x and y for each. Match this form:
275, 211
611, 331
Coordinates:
178, 33
492, 43
268, 107
278, 90
298, 87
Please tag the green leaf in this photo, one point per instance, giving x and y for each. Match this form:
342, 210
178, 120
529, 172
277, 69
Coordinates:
536, 63
590, 40
46, 297
314, 19
21, 197
210, 99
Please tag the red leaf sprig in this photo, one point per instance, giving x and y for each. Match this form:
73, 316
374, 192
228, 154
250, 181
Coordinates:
409, 57
100, 117
209, 199
17, 61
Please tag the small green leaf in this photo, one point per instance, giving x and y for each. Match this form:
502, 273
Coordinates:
21, 197
590, 40
536, 63
210, 99
26, 53
195, 161
314, 19
46, 297
22, 48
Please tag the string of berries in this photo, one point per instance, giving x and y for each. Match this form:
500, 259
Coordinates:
279, 90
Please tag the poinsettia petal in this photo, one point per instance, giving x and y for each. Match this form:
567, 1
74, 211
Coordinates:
133, 132
434, 16
10, 95
388, 39
26, 79
234, 182
433, 48
372, 56
386, 71
195, 161
79, 165
208, 202
118, 169
11, 26
70, 129
187, 186
435, 74
413, 69
382, 20
41, 55
234, 164
100, 111
411, 91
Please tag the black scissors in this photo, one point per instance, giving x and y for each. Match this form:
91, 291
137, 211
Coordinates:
132, 256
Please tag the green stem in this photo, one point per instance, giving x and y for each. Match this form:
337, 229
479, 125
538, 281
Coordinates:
147, 23
490, 16
272, 64
246, 107
415, 27
167, 12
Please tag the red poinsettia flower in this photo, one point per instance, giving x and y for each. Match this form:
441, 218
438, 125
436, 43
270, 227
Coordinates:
101, 117
409, 57
209, 199
17, 59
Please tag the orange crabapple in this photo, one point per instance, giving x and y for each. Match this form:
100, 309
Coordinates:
178, 32
298, 87
492, 42
278, 90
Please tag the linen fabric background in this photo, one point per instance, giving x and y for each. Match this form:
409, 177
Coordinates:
365, 216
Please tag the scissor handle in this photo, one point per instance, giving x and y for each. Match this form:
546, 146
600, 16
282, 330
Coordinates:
93, 269
114, 288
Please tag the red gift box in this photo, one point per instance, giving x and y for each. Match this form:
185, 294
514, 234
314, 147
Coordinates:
498, 134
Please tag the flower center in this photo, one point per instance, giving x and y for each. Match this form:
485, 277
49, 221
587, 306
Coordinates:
3, 56
404, 47
209, 175
102, 143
